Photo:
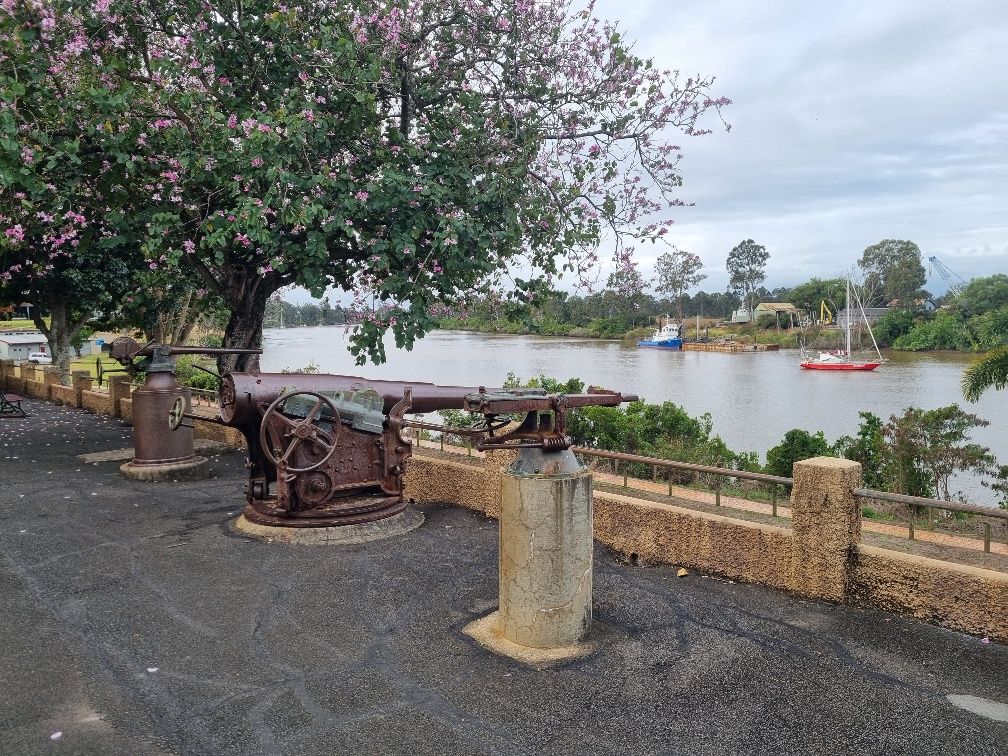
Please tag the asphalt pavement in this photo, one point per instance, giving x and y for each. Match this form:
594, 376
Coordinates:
134, 621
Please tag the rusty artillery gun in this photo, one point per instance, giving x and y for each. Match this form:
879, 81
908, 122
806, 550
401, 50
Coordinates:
158, 455
334, 448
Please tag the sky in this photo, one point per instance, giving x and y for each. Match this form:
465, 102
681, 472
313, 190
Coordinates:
852, 122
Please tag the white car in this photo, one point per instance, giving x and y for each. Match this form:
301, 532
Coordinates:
40, 357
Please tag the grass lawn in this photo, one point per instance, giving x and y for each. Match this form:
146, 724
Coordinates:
17, 323
88, 363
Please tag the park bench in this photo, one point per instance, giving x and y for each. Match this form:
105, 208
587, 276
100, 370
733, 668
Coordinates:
10, 405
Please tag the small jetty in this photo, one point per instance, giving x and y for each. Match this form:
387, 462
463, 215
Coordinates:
730, 347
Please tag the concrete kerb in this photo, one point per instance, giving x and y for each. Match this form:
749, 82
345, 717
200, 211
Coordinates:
344, 535
195, 468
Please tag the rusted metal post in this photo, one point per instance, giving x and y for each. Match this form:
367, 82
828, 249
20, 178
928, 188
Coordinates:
654, 473
626, 473
468, 446
773, 498
987, 537
930, 518
668, 471
717, 491
442, 440
911, 524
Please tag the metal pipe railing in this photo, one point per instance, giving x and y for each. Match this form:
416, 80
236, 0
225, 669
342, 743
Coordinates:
726, 472
775, 480
933, 504
920, 501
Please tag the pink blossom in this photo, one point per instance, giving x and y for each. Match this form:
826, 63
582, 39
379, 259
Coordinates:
362, 196
243, 240
232, 121
189, 246
15, 232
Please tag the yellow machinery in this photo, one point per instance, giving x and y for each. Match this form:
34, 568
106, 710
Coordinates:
825, 314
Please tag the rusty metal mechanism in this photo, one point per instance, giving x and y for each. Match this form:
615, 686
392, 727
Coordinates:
159, 395
329, 450
545, 423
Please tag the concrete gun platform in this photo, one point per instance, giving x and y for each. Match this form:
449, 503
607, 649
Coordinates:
135, 621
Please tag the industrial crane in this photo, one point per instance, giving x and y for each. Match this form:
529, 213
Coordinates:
955, 282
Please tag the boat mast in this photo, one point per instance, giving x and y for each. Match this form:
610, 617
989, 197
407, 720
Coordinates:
848, 316
870, 331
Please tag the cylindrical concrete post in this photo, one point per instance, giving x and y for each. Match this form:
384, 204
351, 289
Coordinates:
545, 550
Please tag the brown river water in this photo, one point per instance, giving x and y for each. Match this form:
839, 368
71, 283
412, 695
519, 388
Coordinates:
753, 398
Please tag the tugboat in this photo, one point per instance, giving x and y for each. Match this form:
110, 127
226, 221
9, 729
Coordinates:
668, 336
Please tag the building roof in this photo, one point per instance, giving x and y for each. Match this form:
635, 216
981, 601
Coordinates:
777, 307
870, 311
22, 338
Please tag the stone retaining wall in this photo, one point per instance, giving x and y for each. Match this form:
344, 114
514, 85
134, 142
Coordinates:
65, 395
35, 389
960, 596
819, 557
96, 402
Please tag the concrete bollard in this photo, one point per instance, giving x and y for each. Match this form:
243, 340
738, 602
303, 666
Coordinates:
119, 387
52, 376
826, 526
545, 562
81, 381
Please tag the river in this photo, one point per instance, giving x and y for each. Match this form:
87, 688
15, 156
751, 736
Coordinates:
753, 398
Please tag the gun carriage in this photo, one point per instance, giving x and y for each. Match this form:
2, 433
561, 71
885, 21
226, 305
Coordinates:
328, 450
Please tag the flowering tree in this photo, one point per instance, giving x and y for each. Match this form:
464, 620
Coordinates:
406, 152
69, 127
677, 271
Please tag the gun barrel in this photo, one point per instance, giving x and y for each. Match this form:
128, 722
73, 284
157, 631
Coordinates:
124, 349
209, 350
242, 394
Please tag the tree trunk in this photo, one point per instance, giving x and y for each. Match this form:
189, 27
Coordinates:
247, 296
58, 333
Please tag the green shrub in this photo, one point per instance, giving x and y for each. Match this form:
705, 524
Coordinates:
943, 331
187, 374
891, 326
797, 445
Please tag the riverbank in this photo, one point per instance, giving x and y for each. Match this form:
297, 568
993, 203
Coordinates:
814, 337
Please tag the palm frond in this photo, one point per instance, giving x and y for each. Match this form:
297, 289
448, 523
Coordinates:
990, 370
